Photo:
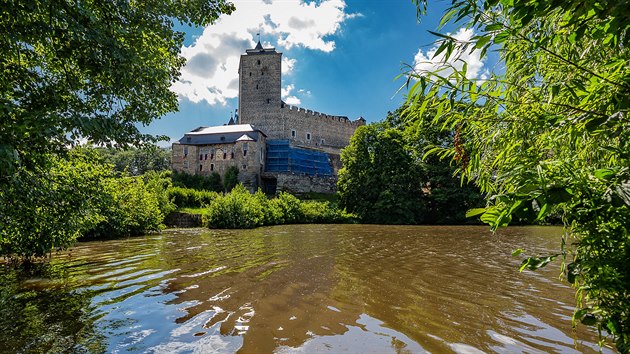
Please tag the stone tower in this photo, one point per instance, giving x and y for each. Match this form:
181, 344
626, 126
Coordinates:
259, 84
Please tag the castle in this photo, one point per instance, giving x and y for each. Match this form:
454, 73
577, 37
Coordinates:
275, 146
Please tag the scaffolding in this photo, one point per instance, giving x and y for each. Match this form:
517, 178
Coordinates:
281, 157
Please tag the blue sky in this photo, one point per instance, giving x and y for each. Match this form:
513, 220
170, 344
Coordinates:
339, 57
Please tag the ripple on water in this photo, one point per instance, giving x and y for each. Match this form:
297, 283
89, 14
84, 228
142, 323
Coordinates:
301, 288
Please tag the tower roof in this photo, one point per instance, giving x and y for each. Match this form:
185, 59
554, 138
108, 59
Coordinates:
259, 46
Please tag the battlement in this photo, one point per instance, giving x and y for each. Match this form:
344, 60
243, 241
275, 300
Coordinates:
323, 116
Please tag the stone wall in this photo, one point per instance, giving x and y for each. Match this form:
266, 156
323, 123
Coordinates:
300, 184
308, 128
177, 219
207, 159
259, 86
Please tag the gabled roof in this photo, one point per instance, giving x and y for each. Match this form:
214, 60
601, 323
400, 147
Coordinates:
222, 134
245, 137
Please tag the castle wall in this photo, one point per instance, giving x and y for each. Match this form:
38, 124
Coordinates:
298, 125
300, 184
207, 159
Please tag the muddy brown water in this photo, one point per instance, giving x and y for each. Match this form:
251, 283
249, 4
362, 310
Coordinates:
298, 288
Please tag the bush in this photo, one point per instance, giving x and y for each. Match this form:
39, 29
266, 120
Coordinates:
230, 179
211, 182
240, 209
190, 198
127, 207
236, 210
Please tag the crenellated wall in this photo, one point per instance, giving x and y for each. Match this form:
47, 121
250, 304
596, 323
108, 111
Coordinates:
298, 125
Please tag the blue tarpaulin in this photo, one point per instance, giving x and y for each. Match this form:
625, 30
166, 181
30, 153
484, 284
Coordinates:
281, 157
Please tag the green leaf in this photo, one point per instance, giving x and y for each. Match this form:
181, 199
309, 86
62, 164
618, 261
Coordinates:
517, 252
475, 212
482, 41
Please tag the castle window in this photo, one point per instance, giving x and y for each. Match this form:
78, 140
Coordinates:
262, 73
232, 153
211, 153
200, 157
258, 61
245, 147
244, 167
211, 167
293, 133
200, 167
256, 86
224, 154
323, 141
222, 138
308, 136
268, 100
185, 151
205, 157
250, 73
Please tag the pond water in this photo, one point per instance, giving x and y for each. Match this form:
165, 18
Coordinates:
297, 288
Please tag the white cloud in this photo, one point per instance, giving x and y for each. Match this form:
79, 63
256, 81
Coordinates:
427, 62
211, 71
285, 92
287, 65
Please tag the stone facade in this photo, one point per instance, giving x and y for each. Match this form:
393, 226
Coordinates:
217, 149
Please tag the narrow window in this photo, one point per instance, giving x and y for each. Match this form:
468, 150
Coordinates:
258, 61
293, 133
211, 167
245, 147
256, 86
200, 167
268, 101
205, 156
232, 153
200, 157
308, 136
224, 154
185, 151
262, 159
211, 153
244, 167
323, 141
262, 73
250, 73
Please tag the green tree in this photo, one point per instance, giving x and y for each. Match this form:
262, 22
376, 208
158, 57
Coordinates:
379, 180
89, 69
230, 179
547, 133
138, 161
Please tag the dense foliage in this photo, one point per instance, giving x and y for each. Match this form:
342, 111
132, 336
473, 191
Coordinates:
211, 182
190, 198
89, 69
387, 180
241, 210
550, 132
230, 178
136, 161
49, 207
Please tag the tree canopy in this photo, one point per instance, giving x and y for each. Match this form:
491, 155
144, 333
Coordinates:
548, 132
88, 70
387, 179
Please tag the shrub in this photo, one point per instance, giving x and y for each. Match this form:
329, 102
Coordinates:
240, 209
230, 179
127, 207
236, 210
210, 182
190, 198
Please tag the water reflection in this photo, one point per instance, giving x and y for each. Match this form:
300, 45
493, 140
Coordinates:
313, 288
